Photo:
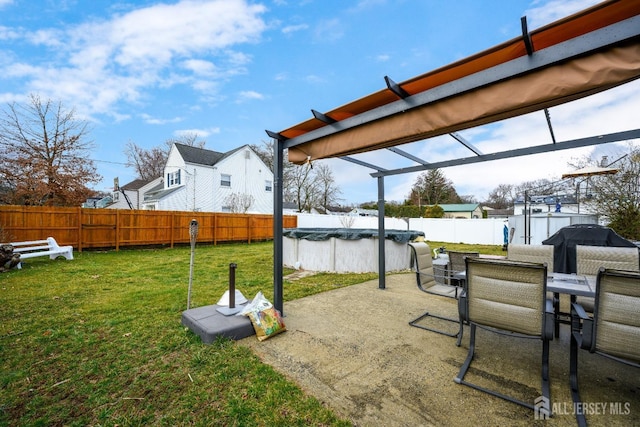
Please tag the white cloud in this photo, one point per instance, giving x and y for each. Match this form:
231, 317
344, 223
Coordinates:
201, 133
282, 76
200, 67
329, 30
555, 9
98, 64
7, 33
249, 95
156, 121
294, 28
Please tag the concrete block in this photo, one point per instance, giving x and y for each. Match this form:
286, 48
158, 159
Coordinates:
208, 323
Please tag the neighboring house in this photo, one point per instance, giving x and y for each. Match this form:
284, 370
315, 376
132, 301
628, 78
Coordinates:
551, 203
202, 180
131, 195
462, 210
97, 202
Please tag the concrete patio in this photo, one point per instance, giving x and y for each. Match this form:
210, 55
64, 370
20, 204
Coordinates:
353, 349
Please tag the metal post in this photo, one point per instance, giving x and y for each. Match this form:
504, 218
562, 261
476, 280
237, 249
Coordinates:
381, 233
231, 308
193, 234
232, 285
526, 233
278, 154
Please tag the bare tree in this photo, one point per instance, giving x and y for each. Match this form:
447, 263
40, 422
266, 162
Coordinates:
238, 203
303, 188
617, 197
44, 155
501, 197
329, 191
306, 185
149, 162
188, 138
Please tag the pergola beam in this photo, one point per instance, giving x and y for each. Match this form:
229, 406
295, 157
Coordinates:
395, 88
558, 53
466, 143
536, 149
408, 155
361, 163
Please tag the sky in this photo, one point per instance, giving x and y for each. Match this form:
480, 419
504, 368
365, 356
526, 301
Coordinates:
146, 71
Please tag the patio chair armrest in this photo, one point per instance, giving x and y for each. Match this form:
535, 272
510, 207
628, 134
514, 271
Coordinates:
585, 335
549, 320
463, 307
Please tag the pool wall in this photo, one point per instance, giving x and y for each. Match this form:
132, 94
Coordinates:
353, 255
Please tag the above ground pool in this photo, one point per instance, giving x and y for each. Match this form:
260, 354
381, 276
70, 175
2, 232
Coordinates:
345, 250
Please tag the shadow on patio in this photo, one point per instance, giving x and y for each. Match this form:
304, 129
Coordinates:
353, 349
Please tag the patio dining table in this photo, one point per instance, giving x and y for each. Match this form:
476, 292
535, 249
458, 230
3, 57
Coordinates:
570, 284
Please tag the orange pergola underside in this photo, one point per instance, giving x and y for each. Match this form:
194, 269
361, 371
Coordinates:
553, 85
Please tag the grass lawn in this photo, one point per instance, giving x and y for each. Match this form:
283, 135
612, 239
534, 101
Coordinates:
98, 341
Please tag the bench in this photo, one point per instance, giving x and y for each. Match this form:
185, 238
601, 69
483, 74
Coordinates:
36, 248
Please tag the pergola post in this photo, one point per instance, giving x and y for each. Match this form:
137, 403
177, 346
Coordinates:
381, 233
278, 191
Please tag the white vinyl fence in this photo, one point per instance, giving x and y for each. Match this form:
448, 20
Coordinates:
487, 231
472, 231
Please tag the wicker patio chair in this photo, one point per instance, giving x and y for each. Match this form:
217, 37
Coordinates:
614, 329
508, 297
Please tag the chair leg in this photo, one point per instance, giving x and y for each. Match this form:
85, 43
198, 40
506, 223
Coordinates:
556, 310
415, 321
573, 374
460, 332
545, 375
545, 409
472, 346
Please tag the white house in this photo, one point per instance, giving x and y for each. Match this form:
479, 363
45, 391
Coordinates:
202, 180
131, 195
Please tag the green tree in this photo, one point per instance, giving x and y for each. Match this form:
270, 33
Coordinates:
432, 188
617, 197
434, 211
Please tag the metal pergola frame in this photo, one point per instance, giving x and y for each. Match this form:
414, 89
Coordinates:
619, 32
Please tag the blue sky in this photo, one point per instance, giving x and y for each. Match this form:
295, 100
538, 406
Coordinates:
146, 71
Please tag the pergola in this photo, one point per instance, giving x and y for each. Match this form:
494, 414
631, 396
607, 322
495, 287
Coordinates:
589, 52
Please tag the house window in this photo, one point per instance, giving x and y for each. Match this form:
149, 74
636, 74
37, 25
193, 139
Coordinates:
226, 209
116, 196
268, 186
225, 180
173, 178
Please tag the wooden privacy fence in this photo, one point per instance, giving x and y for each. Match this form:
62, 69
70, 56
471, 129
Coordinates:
115, 228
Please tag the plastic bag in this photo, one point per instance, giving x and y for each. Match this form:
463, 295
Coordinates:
266, 320
258, 303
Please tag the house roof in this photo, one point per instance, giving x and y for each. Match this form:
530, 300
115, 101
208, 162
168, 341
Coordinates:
202, 156
136, 184
199, 156
153, 196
